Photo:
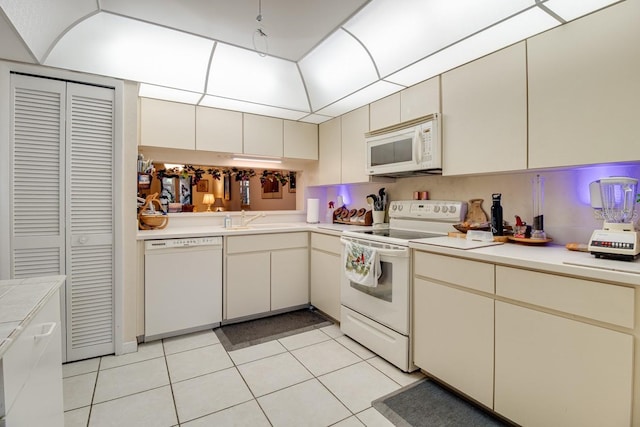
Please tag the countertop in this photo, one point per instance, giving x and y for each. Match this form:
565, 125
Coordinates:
547, 258
20, 301
259, 228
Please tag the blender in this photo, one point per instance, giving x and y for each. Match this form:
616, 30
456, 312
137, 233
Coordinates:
618, 239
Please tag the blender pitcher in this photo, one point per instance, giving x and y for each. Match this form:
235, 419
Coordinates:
618, 196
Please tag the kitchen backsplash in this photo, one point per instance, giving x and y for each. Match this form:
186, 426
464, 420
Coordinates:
568, 216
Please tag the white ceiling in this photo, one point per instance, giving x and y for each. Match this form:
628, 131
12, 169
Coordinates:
324, 58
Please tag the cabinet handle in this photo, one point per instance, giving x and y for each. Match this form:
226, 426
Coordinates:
50, 325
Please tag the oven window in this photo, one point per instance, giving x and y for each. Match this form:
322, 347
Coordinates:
384, 290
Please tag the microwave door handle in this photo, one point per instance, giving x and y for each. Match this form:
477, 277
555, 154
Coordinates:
417, 145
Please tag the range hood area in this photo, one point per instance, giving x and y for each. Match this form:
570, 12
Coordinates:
204, 52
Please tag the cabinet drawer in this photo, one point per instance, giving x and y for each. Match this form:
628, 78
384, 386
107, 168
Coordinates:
326, 243
461, 272
266, 242
595, 300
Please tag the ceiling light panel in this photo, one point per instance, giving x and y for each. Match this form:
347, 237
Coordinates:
248, 107
525, 24
120, 47
40, 23
168, 94
294, 28
244, 75
398, 34
571, 9
371, 93
315, 118
338, 66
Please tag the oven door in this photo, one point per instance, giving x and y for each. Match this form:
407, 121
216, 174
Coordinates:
387, 303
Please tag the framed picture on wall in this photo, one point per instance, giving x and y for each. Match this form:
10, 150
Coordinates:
203, 186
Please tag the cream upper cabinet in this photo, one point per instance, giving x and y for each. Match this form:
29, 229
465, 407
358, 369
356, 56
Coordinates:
329, 152
484, 109
300, 140
354, 126
584, 87
385, 112
218, 130
420, 100
263, 135
167, 124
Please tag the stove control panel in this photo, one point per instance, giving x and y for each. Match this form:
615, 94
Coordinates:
437, 210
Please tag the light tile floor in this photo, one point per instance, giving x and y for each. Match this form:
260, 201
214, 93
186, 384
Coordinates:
316, 378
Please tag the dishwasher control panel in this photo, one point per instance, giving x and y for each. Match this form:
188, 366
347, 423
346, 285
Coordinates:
186, 242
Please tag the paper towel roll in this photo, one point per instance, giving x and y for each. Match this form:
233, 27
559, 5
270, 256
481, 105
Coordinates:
313, 211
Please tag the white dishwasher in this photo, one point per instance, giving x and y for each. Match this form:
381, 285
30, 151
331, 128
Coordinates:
182, 286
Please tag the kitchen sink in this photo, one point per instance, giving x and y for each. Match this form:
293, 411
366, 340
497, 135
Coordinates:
263, 226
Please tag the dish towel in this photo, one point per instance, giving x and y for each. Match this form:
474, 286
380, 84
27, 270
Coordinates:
361, 264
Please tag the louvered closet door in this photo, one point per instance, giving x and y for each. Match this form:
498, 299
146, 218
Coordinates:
37, 177
90, 222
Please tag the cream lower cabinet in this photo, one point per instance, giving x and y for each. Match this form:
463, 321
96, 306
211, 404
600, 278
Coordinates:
31, 372
453, 328
538, 348
289, 278
265, 272
556, 371
553, 371
325, 273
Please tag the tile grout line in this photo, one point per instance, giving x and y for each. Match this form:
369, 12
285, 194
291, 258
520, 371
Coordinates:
173, 396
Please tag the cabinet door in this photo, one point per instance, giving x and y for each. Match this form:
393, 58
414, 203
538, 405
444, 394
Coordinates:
262, 135
325, 282
218, 130
420, 100
354, 158
385, 112
453, 332
584, 90
329, 152
167, 124
555, 371
300, 140
247, 285
289, 278
484, 109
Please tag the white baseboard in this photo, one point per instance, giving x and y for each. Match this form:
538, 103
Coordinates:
129, 347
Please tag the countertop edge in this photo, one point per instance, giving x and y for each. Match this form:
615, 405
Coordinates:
551, 259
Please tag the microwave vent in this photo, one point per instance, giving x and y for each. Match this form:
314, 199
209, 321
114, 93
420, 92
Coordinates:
403, 125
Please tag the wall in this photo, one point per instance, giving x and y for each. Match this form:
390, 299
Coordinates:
568, 216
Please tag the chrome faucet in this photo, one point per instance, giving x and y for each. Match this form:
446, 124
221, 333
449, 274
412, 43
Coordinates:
244, 221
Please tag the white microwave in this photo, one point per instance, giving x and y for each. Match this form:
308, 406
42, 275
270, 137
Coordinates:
406, 149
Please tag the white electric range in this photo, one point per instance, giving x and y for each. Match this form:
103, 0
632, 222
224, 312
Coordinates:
379, 317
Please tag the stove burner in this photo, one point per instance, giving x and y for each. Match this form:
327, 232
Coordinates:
400, 234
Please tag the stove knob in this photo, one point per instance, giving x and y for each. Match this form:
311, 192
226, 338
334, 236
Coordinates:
445, 209
436, 209
399, 207
452, 209
393, 207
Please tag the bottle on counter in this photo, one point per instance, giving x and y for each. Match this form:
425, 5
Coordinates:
227, 221
496, 215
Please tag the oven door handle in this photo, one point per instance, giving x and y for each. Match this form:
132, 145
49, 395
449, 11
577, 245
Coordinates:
400, 251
